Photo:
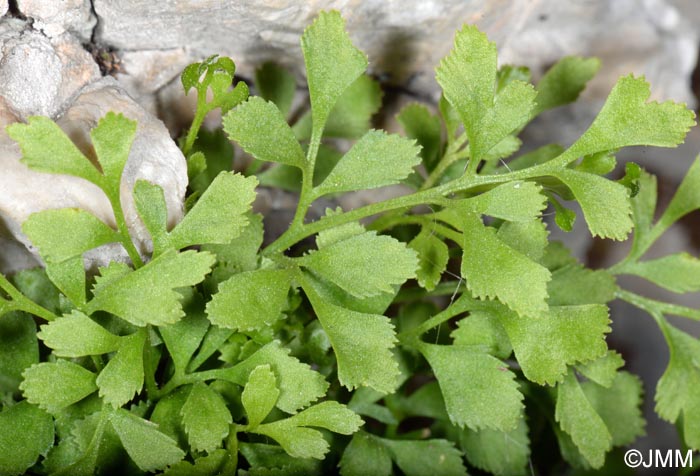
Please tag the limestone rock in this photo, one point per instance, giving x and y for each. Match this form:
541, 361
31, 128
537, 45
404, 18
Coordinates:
54, 18
3, 7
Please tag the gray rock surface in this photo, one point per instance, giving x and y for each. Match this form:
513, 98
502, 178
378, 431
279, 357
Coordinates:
54, 17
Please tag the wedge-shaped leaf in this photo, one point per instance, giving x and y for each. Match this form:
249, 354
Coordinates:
184, 337
45, 147
495, 270
259, 395
298, 384
206, 418
605, 204
261, 130
146, 445
364, 265
76, 335
332, 64
299, 441
628, 119
276, 84
55, 385
425, 128
417, 458
563, 82
479, 390
376, 160
497, 452
685, 200
602, 371
351, 115
619, 406
219, 215
250, 300
644, 205
432, 258
26, 432
468, 75
362, 344
514, 201
123, 375
151, 206
571, 334
573, 284
112, 139
528, 237
271, 459
366, 455
69, 277
676, 391
581, 422
147, 296
67, 232
678, 272
19, 349
485, 330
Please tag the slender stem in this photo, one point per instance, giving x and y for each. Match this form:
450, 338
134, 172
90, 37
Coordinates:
452, 154
446, 288
463, 304
654, 307
306, 196
199, 115
422, 220
21, 303
124, 232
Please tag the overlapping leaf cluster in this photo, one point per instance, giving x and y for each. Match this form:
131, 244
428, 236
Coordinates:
208, 355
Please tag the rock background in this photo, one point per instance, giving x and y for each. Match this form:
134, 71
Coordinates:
54, 54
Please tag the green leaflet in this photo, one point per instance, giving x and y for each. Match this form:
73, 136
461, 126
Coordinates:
573, 284
112, 139
21, 449
19, 349
366, 455
678, 272
527, 237
48, 231
277, 85
514, 201
364, 265
609, 218
362, 344
76, 335
602, 371
376, 160
259, 395
420, 125
150, 204
184, 337
332, 65
500, 453
53, 386
206, 418
495, 270
45, 147
564, 81
627, 119
250, 300
300, 441
123, 375
479, 390
579, 419
433, 255
69, 278
212, 463
684, 201
219, 215
675, 391
146, 445
483, 329
570, 334
298, 384
619, 406
125, 296
468, 76
261, 130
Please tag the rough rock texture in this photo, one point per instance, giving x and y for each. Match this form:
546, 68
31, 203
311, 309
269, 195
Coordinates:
406, 40
54, 17
56, 77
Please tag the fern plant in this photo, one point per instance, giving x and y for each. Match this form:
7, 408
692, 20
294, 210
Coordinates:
427, 341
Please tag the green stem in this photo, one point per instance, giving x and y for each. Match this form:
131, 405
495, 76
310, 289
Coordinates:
199, 115
307, 196
463, 304
124, 232
655, 307
452, 155
446, 288
22, 303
